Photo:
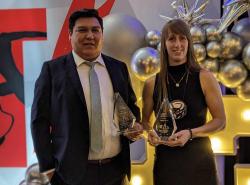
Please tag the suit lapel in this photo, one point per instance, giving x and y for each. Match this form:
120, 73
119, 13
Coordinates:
74, 77
112, 72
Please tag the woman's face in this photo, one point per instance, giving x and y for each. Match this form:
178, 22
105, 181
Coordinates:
177, 47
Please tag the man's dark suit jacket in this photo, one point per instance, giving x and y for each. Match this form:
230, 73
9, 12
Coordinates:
59, 117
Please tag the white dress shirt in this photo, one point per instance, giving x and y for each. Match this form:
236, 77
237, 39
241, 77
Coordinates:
111, 140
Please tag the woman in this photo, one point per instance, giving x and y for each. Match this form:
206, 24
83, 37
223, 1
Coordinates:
186, 157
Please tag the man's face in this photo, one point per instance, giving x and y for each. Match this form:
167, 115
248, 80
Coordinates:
87, 38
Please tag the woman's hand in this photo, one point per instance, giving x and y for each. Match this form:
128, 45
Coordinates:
153, 138
136, 132
178, 139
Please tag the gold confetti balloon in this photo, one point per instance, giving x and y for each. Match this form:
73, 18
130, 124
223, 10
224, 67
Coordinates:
199, 52
232, 73
213, 49
211, 64
198, 34
231, 45
145, 63
212, 33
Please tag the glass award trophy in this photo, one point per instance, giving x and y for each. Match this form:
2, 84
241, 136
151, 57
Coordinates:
125, 117
165, 124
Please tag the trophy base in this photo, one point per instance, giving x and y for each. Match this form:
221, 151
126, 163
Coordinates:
166, 134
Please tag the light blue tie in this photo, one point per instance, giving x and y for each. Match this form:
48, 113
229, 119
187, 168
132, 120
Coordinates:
96, 110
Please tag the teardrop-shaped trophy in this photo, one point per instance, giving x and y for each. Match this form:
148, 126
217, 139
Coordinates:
165, 124
125, 117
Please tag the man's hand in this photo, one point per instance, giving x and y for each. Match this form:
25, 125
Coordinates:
136, 132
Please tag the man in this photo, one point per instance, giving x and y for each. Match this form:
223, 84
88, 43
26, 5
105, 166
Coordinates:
66, 106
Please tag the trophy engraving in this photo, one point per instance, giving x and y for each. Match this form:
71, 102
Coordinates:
165, 124
125, 117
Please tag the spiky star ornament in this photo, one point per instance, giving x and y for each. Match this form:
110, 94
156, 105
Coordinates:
191, 15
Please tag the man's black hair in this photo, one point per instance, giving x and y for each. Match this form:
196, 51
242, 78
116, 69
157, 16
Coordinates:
84, 13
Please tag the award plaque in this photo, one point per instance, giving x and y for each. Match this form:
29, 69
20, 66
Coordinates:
125, 117
165, 124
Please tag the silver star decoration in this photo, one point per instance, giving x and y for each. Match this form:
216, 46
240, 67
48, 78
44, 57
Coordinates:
233, 9
191, 15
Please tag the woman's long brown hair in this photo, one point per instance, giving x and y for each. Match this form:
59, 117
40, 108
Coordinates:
179, 27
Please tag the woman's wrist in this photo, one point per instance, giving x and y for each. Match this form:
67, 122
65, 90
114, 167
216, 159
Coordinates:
191, 134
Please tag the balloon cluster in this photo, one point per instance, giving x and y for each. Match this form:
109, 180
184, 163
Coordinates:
34, 177
226, 54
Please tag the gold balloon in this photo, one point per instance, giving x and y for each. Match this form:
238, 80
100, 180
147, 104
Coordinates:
199, 52
145, 63
231, 45
246, 56
243, 91
232, 73
211, 64
198, 34
213, 49
212, 33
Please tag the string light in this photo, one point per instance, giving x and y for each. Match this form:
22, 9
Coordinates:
246, 115
248, 182
216, 144
136, 180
